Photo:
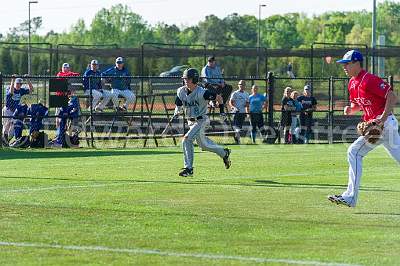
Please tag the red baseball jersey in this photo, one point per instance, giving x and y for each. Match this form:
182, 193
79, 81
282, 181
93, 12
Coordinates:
369, 92
67, 74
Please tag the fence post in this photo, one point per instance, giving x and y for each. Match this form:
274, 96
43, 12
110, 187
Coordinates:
270, 92
142, 84
91, 112
391, 82
330, 111
1, 107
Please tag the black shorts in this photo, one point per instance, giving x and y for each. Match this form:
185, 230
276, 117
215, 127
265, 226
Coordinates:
225, 91
238, 120
256, 120
286, 119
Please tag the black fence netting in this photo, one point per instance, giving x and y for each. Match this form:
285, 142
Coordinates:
146, 118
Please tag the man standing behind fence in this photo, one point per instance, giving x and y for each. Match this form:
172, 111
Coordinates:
239, 102
92, 81
119, 77
309, 104
256, 106
13, 97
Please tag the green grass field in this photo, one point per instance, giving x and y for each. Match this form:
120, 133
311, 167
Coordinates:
119, 207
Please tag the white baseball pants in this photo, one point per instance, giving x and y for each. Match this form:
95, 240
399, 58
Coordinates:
127, 94
355, 153
107, 96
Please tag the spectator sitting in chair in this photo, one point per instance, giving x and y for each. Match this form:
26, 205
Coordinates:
37, 112
66, 71
92, 81
119, 77
213, 80
68, 120
18, 123
13, 97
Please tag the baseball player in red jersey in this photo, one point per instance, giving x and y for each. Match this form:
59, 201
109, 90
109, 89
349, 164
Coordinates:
376, 99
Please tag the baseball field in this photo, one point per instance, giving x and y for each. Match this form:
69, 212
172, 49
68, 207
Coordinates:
119, 207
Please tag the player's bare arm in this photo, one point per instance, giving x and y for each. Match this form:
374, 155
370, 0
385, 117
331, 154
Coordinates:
232, 103
219, 99
28, 80
12, 84
352, 109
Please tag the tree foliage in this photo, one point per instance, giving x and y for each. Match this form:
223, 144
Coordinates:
120, 25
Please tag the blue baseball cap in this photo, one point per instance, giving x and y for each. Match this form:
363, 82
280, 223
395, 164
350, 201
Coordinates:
351, 56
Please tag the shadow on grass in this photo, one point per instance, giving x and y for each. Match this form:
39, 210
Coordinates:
84, 211
378, 213
264, 183
9, 154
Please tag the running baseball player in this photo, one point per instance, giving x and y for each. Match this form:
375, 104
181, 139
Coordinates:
13, 97
373, 96
194, 100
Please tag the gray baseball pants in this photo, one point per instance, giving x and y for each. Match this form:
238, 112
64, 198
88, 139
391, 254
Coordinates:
197, 132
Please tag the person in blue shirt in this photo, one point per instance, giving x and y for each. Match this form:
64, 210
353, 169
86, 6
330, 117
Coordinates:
92, 81
309, 104
295, 126
214, 81
13, 98
19, 115
74, 111
37, 112
120, 80
257, 103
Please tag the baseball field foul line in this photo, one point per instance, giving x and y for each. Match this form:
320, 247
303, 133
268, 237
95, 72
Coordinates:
61, 187
171, 254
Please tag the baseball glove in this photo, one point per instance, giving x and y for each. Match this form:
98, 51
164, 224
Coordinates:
371, 130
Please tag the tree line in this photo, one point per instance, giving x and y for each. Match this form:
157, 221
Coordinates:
120, 25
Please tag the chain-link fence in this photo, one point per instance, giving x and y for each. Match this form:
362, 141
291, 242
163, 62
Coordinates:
148, 122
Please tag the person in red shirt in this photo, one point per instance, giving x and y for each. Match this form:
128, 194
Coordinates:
66, 71
376, 99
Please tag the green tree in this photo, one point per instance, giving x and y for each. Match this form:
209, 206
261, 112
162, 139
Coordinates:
212, 31
6, 63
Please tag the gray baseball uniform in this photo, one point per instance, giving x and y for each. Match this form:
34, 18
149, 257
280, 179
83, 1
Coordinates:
195, 107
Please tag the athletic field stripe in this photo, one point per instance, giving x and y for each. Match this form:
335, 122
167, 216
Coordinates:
62, 187
172, 254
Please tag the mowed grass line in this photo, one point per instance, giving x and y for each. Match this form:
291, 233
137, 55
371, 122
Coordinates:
270, 204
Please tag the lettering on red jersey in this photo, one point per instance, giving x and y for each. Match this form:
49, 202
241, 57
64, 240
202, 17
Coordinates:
369, 92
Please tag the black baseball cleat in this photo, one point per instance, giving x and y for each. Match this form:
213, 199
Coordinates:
338, 199
186, 172
226, 159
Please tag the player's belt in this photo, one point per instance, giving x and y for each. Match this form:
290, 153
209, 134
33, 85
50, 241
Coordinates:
194, 119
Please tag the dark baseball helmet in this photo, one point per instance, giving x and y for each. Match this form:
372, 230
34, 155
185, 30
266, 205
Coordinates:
192, 74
